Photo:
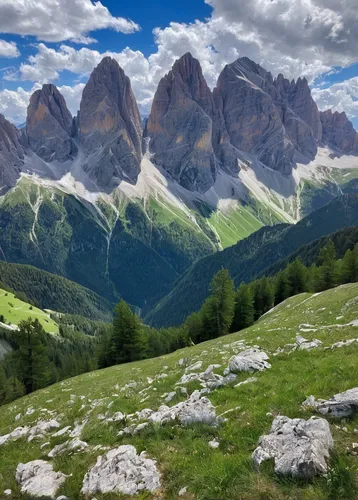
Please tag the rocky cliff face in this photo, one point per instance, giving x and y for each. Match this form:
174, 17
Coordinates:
110, 129
338, 132
11, 155
49, 125
297, 95
180, 126
245, 95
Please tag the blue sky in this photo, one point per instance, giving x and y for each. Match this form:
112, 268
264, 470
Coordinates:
62, 40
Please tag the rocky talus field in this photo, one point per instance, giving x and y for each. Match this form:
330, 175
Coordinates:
269, 412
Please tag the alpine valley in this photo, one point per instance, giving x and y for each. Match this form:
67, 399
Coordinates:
124, 207
179, 293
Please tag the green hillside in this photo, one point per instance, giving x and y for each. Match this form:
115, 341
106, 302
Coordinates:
14, 310
250, 257
53, 292
183, 455
101, 246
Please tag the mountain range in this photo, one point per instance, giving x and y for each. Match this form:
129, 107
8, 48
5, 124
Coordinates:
125, 208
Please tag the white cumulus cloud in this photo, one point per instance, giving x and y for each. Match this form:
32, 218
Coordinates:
342, 96
8, 49
58, 20
297, 38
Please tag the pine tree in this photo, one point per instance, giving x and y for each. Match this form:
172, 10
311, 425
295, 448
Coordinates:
104, 350
127, 338
33, 366
297, 277
263, 296
218, 310
194, 326
328, 269
244, 308
314, 278
349, 266
282, 287
14, 389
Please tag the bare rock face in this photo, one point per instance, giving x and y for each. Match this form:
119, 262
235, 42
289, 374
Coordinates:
300, 448
110, 128
11, 155
245, 96
297, 94
49, 125
180, 126
338, 132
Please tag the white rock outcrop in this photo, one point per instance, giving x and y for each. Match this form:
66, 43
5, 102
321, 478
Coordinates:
37, 478
37, 431
70, 446
122, 470
306, 345
251, 360
196, 409
300, 448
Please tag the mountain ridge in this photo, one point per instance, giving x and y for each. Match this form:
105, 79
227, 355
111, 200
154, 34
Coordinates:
96, 196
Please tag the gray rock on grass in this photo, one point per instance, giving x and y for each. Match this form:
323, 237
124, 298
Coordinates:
122, 470
37, 478
300, 448
343, 404
250, 360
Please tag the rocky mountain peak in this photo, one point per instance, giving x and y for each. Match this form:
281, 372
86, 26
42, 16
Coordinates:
180, 126
189, 77
245, 96
11, 154
49, 125
338, 132
110, 128
297, 95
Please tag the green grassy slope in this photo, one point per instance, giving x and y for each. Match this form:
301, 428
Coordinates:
183, 455
15, 310
235, 225
54, 292
250, 257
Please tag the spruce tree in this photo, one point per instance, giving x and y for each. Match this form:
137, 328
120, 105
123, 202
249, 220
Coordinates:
218, 310
282, 287
297, 277
244, 308
328, 269
194, 327
33, 367
127, 339
349, 266
14, 389
264, 296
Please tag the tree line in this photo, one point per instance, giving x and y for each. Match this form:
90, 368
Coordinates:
40, 359
226, 309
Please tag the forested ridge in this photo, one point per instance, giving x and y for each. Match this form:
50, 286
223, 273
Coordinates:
50, 291
251, 258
